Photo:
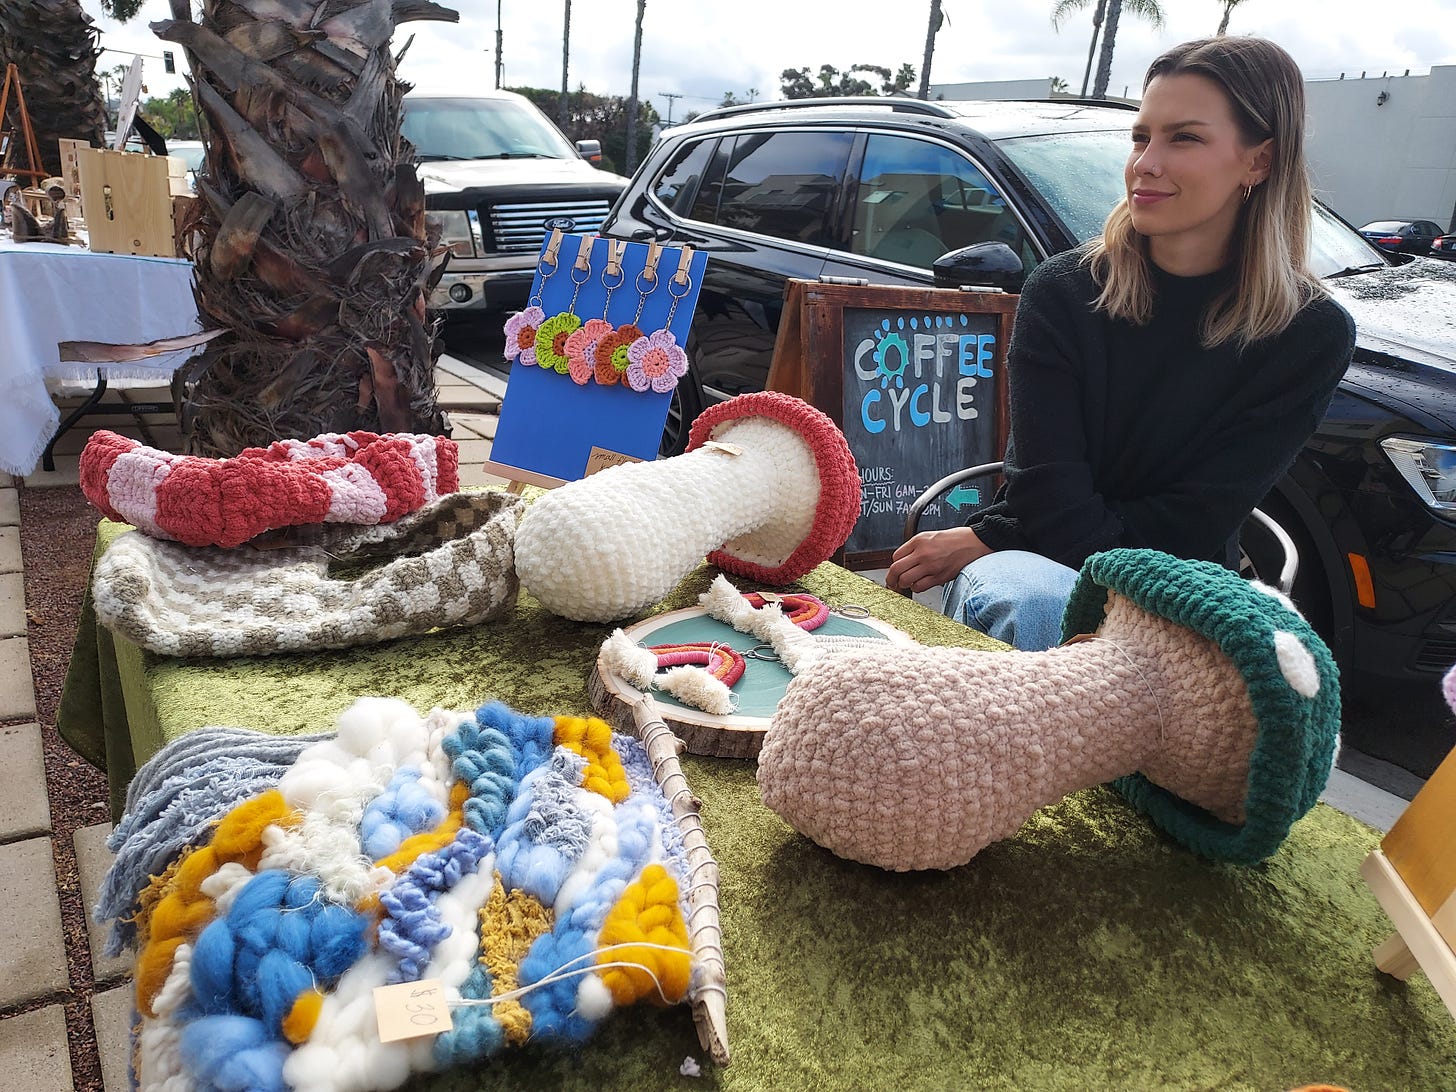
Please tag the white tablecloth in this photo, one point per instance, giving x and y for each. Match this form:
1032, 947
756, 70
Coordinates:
50, 294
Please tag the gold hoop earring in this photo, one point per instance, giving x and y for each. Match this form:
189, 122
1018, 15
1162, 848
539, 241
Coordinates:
1248, 192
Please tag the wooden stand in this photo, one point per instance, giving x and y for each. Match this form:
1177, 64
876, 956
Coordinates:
1413, 875
32, 151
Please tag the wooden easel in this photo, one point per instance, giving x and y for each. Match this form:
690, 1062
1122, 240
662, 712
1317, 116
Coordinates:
32, 151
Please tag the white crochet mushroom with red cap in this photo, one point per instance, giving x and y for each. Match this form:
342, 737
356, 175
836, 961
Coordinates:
767, 490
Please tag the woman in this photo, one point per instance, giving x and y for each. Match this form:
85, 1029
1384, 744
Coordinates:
1163, 376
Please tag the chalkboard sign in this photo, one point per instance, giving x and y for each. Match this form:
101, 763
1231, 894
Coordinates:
916, 380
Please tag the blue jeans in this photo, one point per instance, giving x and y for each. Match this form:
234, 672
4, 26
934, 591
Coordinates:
1012, 595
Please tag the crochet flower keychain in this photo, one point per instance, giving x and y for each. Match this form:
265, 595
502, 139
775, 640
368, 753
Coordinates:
581, 345
523, 326
656, 361
609, 360
551, 337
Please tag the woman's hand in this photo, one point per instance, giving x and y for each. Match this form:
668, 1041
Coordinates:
933, 557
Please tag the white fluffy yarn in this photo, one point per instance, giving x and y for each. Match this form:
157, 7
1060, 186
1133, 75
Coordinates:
331, 783
638, 668
159, 1043
609, 545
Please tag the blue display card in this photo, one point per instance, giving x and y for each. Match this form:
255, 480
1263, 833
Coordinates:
549, 424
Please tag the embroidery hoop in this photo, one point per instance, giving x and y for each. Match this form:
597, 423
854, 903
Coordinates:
733, 735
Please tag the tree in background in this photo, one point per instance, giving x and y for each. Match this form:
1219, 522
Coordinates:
598, 117
1228, 7
1145, 9
796, 83
1065, 8
175, 117
311, 252
52, 44
937, 17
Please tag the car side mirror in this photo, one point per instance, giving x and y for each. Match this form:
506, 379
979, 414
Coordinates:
990, 265
590, 150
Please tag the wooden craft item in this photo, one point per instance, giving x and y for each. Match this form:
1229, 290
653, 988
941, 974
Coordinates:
734, 735
70, 168
1413, 875
127, 202
708, 993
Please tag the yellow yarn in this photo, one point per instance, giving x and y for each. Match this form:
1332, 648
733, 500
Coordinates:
510, 922
647, 911
427, 841
298, 1024
184, 909
591, 737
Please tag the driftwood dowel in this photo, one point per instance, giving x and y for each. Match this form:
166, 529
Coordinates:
709, 990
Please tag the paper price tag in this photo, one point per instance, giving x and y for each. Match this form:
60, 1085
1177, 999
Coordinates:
600, 458
410, 1010
726, 449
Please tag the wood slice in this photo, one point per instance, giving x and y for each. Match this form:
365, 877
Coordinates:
718, 736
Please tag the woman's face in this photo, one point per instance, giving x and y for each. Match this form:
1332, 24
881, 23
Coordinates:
1187, 170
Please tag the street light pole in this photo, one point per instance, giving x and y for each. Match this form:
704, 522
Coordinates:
497, 44
669, 96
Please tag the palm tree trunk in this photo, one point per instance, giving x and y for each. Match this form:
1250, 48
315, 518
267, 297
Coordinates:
631, 156
563, 115
932, 28
1223, 23
1109, 43
311, 243
52, 44
1092, 48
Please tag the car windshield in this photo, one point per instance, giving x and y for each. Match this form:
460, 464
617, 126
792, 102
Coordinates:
1384, 225
1079, 176
467, 128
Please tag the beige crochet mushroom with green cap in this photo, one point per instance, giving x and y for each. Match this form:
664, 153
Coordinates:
1206, 699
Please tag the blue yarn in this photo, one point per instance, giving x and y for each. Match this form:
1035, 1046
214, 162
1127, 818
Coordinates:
547, 829
476, 1032
553, 1007
281, 978
233, 1053
278, 939
490, 754
643, 783
413, 926
212, 967
404, 808
338, 939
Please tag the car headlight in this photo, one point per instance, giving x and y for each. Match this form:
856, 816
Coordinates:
455, 231
1429, 467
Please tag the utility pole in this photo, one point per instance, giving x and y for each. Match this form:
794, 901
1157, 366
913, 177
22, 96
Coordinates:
562, 114
669, 96
497, 44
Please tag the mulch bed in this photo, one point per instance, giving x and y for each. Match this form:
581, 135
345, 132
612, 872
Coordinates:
57, 532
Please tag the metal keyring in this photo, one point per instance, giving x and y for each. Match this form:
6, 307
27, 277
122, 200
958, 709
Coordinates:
852, 610
767, 653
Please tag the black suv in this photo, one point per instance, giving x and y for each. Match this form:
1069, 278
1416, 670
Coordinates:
900, 191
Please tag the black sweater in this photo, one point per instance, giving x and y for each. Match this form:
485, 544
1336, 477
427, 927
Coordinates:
1125, 435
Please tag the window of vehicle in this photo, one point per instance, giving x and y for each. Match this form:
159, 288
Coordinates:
478, 128
917, 200
1079, 175
782, 185
1385, 227
677, 186
1334, 247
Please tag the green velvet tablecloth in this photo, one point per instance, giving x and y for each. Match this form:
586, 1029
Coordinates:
1087, 952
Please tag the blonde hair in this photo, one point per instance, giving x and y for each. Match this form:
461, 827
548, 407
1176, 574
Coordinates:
1270, 247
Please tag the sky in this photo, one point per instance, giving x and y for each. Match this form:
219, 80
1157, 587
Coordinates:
699, 50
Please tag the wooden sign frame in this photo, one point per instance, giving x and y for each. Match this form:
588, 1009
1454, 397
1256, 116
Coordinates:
811, 360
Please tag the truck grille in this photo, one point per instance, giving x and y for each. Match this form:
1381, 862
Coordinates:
521, 228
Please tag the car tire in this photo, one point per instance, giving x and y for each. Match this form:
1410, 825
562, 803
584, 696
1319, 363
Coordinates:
686, 404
